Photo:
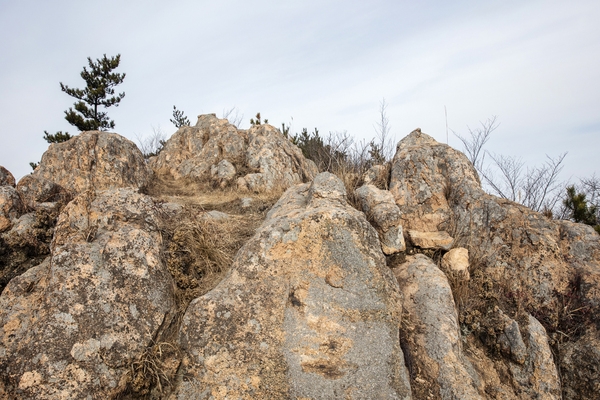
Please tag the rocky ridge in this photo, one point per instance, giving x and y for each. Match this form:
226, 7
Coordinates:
434, 289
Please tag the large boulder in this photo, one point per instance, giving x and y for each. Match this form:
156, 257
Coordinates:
520, 261
11, 207
262, 158
6, 178
432, 334
92, 160
308, 310
73, 326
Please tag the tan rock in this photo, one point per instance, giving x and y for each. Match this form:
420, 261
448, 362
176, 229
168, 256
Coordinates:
223, 172
309, 310
6, 178
376, 174
457, 261
537, 377
525, 258
11, 207
580, 364
94, 160
269, 157
34, 190
381, 209
430, 240
432, 332
72, 326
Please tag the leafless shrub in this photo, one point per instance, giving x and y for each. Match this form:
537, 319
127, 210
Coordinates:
477, 139
383, 145
538, 188
151, 145
233, 116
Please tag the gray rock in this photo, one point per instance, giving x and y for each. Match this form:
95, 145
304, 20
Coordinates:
309, 310
538, 377
34, 190
6, 178
381, 209
223, 172
271, 159
94, 160
432, 331
375, 174
11, 207
72, 326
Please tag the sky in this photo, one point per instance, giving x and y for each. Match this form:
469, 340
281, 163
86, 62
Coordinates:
326, 64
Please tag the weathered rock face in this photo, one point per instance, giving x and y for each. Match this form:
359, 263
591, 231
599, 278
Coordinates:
379, 206
11, 207
520, 260
6, 178
92, 160
309, 310
72, 326
432, 333
35, 189
261, 157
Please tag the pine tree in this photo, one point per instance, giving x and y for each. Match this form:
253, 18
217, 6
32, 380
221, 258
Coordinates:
179, 119
58, 137
579, 209
99, 92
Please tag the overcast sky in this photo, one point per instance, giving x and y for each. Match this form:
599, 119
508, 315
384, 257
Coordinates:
325, 64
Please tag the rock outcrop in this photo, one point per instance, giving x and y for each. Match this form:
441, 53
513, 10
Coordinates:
109, 293
72, 326
11, 207
6, 178
380, 208
309, 310
520, 262
261, 158
91, 160
432, 333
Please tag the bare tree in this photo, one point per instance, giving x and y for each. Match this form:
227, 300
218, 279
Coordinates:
383, 146
152, 145
234, 116
538, 188
477, 139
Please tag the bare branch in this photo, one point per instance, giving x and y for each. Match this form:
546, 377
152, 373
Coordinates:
233, 116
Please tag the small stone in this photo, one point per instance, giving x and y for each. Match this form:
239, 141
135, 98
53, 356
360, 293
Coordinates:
431, 240
457, 261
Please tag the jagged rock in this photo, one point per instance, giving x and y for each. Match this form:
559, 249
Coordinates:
94, 160
537, 377
308, 310
35, 189
423, 174
521, 256
456, 261
377, 173
72, 326
430, 240
580, 366
380, 207
223, 172
432, 333
6, 178
11, 207
266, 156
